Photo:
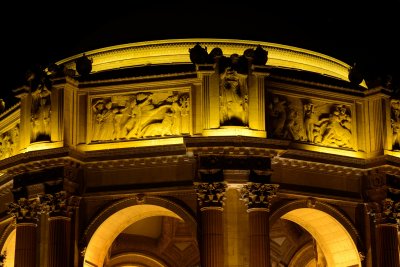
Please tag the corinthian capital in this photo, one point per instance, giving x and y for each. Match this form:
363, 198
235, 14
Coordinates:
258, 195
25, 210
56, 204
210, 194
386, 211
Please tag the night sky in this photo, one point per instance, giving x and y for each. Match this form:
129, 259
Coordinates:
40, 34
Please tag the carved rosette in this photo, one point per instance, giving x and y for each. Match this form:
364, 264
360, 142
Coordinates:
56, 204
25, 210
258, 195
387, 211
210, 194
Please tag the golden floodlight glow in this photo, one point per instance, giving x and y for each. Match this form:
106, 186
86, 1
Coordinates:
9, 248
234, 131
105, 234
336, 243
175, 51
133, 260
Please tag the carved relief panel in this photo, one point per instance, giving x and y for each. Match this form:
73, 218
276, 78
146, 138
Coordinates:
9, 142
395, 123
140, 115
311, 121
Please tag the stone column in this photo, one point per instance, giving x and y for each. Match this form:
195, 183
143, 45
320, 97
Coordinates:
258, 198
210, 196
25, 212
257, 98
59, 229
386, 216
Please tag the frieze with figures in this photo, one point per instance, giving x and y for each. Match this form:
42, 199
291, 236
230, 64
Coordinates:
395, 123
140, 115
9, 142
310, 121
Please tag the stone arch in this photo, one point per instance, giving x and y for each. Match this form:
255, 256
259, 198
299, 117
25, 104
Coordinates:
134, 259
7, 244
101, 232
339, 239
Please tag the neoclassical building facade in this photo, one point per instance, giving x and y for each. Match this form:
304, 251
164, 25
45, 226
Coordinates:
200, 152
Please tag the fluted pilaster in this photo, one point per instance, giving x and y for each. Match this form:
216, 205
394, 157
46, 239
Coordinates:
386, 216
25, 211
387, 245
210, 197
25, 245
59, 228
258, 197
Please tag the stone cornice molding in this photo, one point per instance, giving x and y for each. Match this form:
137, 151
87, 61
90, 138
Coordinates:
35, 157
39, 165
230, 144
142, 162
176, 51
145, 81
317, 167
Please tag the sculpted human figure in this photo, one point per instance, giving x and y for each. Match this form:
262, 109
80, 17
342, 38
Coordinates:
336, 130
395, 123
278, 112
41, 111
233, 98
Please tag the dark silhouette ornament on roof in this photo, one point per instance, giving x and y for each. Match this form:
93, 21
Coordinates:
83, 65
355, 75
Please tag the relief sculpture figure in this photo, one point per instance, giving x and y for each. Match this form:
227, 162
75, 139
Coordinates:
278, 112
140, 115
41, 111
233, 99
395, 123
337, 131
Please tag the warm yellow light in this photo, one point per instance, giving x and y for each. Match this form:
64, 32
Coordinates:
105, 234
44, 145
336, 243
133, 260
176, 51
134, 143
234, 131
9, 248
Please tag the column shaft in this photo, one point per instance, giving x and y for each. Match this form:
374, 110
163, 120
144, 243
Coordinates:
259, 237
59, 236
25, 245
212, 252
387, 245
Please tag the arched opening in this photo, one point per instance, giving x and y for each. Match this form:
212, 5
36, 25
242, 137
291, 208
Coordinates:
333, 243
8, 249
136, 224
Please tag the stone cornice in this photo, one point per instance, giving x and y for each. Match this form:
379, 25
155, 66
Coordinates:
145, 81
324, 168
177, 51
141, 162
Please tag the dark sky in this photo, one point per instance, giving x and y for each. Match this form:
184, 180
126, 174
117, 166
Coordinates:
39, 34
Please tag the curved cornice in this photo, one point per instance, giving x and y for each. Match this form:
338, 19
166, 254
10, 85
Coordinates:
175, 51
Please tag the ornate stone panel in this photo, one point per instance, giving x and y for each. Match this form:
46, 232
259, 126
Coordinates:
311, 121
9, 143
41, 113
395, 123
140, 115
